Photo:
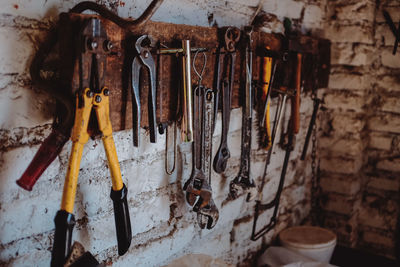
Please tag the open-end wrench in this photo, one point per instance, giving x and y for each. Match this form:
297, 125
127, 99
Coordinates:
243, 182
143, 58
231, 37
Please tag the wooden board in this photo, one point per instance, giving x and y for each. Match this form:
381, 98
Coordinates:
118, 76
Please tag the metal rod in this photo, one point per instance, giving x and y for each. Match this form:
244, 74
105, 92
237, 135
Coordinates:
180, 50
187, 122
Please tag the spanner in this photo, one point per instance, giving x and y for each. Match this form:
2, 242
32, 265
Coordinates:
243, 183
207, 215
227, 54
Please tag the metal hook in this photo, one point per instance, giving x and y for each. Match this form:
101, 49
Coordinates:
200, 75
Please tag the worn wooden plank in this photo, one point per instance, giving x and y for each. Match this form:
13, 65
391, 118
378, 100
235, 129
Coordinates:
168, 66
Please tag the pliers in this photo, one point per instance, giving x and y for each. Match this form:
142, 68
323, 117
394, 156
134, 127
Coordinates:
91, 95
143, 59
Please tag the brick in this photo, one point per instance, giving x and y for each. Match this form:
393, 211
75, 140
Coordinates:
341, 165
312, 16
344, 101
384, 36
342, 184
380, 141
341, 146
391, 104
347, 123
340, 204
389, 83
149, 254
28, 217
389, 60
14, 163
385, 123
389, 165
20, 111
344, 226
356, 13
393, 11
378, 239
352, 54
289, 8
374, 218
349, 34
383, 184
348, 81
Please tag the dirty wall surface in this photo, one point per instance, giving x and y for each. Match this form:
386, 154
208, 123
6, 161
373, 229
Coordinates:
359, 176
163, 227
359, 130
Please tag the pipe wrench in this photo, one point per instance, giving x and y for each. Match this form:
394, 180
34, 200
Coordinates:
226, 59
92, 102
143, 58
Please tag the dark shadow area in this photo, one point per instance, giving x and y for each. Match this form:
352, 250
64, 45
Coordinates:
348, 257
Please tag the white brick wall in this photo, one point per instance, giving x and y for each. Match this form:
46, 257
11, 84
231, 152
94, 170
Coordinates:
163, 226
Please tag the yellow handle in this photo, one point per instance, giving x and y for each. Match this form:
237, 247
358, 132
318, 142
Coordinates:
266, 79
103, 118
79, 138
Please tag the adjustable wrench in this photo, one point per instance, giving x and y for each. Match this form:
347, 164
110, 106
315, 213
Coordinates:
198, 187
243, 182
227, 54
143, 59
198, 190
207, 215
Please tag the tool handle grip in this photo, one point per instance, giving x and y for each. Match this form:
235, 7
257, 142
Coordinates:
47, 152
111, 153
64, 222
122, 219
266, 87
296, 98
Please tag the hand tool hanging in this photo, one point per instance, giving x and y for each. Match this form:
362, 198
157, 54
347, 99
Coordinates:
226, 68
198, 186
243, 183
292, 129
62, 125
268, 74
185, 98
163, 127
92, 102
143, 58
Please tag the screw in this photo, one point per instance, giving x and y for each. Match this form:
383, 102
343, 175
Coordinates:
108, 45
89, 94
106, 92
93, 45
98, 99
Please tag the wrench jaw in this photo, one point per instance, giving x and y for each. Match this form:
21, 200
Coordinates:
243, 185
221, 159
207, 217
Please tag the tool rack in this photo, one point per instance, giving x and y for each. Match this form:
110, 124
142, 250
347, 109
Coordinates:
168, 66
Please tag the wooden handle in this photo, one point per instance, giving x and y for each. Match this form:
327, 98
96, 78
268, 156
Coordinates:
296, 98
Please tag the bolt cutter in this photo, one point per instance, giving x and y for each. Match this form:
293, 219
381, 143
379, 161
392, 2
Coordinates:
92, 103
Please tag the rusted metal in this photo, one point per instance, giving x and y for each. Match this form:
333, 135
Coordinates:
169, 36
131, 25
